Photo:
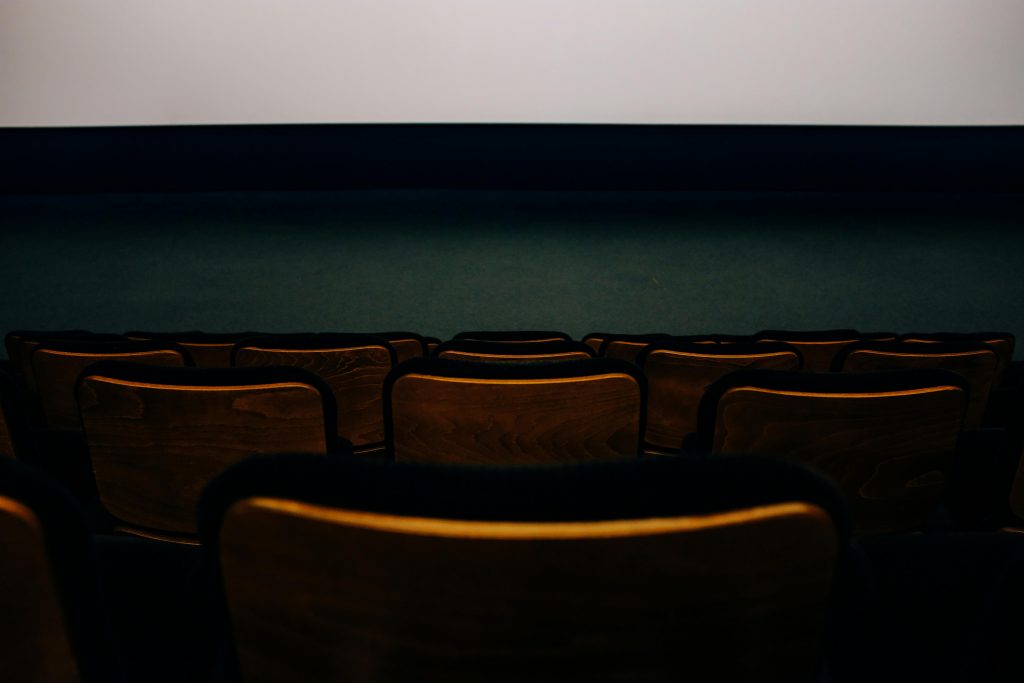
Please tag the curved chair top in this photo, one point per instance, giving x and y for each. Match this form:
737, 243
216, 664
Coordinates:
72, 565
101, 348
321, 341
912, 349
442, 367
747, 348
192, 336
817, 335
495, 348
513, 335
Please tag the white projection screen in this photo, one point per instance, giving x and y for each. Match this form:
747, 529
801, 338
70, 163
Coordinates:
858, 62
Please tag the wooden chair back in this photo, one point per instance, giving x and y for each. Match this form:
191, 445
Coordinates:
207, 349
819, 348
976, 363
679, 374
359, 589
158, 435
886, 439
454, 411
513, 352
353, 366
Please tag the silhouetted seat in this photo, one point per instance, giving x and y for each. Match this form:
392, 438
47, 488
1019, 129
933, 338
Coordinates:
157, 435
455, 411
977, 363
510, 352
56, 366
21, 343
679, 373
514, 336
55, 623
666, 569
208, 350
887, 439
354, 366
819, 348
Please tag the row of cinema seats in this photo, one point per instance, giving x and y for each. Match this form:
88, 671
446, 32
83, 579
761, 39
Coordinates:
148, 439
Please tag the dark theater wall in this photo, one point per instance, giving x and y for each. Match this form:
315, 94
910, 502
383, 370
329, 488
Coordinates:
439, 261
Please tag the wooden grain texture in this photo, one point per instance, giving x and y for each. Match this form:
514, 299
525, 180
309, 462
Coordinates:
319, 594
56, 372
817, 355
355, 375
154, 448
888, 452
475, 357
979, 368
442, 419
677, 380
624, 350
34, 647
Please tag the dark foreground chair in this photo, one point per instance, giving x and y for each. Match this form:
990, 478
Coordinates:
442, 410
887, 439
640, 570
54, 622
157, 435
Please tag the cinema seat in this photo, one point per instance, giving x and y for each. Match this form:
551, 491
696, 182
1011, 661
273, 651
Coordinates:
679, 373
1001, 342
208, 350
21, 343
406, 344
441, 410
55, 624
511, 352
513, 336
156, 435
887, 439
431, 343
354, 366
644, 570
976, 363
56, 366
627, 346
819, 348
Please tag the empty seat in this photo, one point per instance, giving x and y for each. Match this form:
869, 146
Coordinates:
644, 570
354, 366
819, 348
56, 366
508, 352
431, 343
977, 363
208, 350
516, 336
1001, 342
55, 625
406, 344
157, 435
21, 343
887, 438
454, 411
679, 373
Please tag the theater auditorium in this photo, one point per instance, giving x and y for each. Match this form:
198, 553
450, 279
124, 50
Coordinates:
452, 340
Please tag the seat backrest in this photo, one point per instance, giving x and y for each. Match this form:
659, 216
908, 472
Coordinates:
1001, 342
514, 336
56, 366
678, 374
627, 346
675, 566
887, 439
819, 348
510, 352
55, 625
21, 343
207, 349
976, 363
157, 435
455, 411
407, 345
431, 343
354, 366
